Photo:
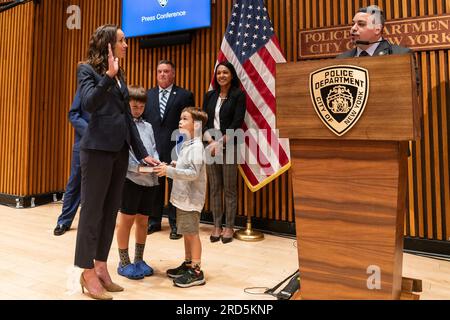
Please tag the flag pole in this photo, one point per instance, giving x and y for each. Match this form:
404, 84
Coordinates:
248, 234
251, 45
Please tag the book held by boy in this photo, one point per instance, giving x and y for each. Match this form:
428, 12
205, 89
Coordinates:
145, 169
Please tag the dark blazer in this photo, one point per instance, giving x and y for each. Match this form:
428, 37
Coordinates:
385, 49
232, 111
111, 123
79, 120
382, 49
163, 128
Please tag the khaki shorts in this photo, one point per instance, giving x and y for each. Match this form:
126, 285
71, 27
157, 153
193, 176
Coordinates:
187, 222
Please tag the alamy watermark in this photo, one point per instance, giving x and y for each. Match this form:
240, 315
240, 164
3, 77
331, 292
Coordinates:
374, 280
253, 147
74, 20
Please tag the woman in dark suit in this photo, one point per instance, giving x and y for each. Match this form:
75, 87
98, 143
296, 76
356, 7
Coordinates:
225, 106
103, 156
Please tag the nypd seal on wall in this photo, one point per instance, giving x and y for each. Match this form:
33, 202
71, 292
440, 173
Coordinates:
339, 95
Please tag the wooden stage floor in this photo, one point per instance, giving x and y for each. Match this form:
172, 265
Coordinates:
38, 265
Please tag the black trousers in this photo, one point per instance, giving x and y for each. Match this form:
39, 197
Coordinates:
102, 178
156, 216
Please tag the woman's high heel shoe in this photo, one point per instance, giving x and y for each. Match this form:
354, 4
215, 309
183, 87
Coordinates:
227, 239
112, 287
99, 296
214, 238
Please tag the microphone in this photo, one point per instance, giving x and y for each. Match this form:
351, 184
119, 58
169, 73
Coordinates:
365, 43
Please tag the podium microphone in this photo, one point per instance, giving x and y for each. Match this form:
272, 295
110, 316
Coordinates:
366, 43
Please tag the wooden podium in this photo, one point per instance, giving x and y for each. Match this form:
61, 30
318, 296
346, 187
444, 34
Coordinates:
350, 190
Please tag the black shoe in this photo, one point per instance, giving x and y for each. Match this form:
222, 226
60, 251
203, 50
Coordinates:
179, 271
191, 278
153, 228
60, 229
227, 240
214, 238
174, 235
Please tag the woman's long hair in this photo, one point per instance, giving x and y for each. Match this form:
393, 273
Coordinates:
235, 83
97, 55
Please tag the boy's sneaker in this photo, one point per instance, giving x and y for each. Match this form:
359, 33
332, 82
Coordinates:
144, 268
193, 277
130, 272
178, 272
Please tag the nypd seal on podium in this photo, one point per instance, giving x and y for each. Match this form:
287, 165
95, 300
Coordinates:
339, 95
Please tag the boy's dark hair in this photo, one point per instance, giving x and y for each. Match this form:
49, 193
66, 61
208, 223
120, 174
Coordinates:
137, 93
197, 114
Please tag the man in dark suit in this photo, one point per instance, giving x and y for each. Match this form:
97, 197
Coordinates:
367, 35
163, 109
79, 120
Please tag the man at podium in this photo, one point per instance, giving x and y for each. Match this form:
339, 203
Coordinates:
367, 35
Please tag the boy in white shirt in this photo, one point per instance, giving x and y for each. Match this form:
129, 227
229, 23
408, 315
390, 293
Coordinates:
188, 195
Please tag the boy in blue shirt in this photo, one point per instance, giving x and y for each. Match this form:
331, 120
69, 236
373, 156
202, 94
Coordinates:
138, 195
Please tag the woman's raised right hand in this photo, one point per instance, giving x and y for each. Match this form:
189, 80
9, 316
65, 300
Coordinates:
113, 63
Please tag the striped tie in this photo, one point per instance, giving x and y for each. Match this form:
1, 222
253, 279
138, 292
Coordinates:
163, 103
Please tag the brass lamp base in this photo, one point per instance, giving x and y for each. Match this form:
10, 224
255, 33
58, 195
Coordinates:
249, 234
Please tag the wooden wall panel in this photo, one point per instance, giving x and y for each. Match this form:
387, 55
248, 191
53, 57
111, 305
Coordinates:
15, 93
50, 162
429, 190
38, 84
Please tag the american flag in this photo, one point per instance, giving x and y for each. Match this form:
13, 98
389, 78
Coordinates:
251, 45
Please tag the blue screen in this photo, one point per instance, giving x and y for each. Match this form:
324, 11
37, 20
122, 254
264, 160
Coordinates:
147, 17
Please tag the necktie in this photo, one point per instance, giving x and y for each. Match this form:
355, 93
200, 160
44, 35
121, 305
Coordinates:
163, 103
363, 54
